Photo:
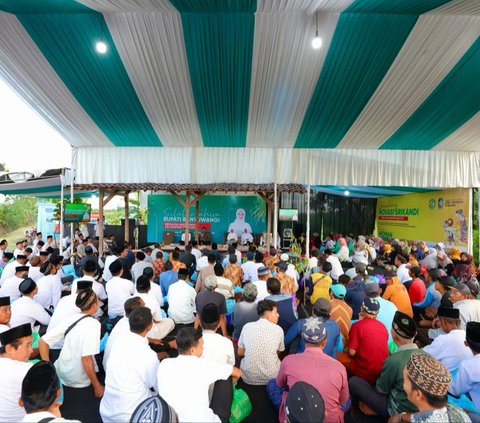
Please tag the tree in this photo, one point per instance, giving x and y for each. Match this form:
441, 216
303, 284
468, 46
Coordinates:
3, 168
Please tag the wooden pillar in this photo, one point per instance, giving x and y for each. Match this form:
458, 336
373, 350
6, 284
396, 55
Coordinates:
187, 216
100, 222
197, 213
127, 215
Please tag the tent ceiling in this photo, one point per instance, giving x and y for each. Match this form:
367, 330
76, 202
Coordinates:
391, 75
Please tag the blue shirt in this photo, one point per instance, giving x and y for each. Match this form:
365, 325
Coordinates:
333, 337
386, 314
166, 279
287, 316
355, 296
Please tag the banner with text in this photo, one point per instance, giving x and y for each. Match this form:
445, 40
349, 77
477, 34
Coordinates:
217, 213
437, 216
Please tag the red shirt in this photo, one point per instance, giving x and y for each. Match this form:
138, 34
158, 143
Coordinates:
369, 338
327, 375
417, 291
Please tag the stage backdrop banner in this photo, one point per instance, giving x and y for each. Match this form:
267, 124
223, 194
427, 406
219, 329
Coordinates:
430, 216
216, 214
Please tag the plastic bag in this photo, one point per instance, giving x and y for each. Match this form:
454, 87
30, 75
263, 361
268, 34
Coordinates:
241, 405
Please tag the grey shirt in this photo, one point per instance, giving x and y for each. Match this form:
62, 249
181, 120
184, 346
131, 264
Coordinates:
243, 313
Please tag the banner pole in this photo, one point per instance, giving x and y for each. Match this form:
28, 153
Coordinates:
307, 235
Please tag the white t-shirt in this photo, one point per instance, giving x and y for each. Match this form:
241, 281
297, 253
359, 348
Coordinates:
181, 302
9, 271
10, 288
403, 274
183, 383
262, 291
106, 270
119, 290
40, 415
82, 341
49, 291
197, 253
12, 373
97, 288
132, 371
26, 310
138, 267
155, 293
261, 340
202, 262
65, 309
218, 348
249, 269
122, 327
337, 269
34, 273
450, 349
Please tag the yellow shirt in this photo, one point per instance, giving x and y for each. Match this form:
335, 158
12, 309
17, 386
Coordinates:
321, 284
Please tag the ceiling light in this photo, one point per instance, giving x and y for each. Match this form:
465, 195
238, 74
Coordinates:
101, 47
316, 41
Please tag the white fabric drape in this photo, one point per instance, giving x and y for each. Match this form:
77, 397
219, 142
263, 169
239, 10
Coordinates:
306, 6
347, 167
465, 138
458, 7
152, 49
24, 67
106, 6
432, 49
285, 70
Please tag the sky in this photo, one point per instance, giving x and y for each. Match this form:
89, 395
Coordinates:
28, 142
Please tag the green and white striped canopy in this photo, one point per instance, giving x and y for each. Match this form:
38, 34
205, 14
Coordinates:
233, 88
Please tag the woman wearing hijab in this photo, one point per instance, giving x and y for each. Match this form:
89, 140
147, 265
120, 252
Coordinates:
343, 253
430, 260
444, 262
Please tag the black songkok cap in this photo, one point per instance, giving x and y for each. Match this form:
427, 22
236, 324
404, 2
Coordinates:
85, 299
473, 332
449, 313
22, 269
183, 272
404, 326
15, 333
304, 404
4, 301
44, 253
84, 284
27, 286
8, 255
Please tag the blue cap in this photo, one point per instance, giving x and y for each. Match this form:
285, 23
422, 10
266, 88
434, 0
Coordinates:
313, 330
338, 290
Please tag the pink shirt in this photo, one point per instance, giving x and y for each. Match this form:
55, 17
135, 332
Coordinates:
327, 375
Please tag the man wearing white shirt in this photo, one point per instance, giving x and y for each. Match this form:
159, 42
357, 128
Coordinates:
195, 251
249, 269
132, 370
76, 366
261, 283
161, 327
469, 308
450, 348
118, 290
14, 353
10, 287
215, 346
403, 274
181, 302
3, 247
89, 270
155, 291
26, 309
232, 237
140, 265
121, 328
18, 249
106, 270
5, 314
50, 287
247, 237
337, 269
189, 238
38, 238
49, 243
188, 377
10, 269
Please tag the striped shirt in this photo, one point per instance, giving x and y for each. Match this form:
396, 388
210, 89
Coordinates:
342, 313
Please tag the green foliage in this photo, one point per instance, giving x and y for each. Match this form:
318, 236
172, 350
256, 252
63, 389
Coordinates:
17, 211
113, 217
136, 211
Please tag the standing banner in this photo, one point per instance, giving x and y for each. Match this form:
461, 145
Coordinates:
437, 216
217, 214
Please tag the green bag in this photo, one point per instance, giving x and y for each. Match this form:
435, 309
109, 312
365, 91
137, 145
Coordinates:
241, 405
